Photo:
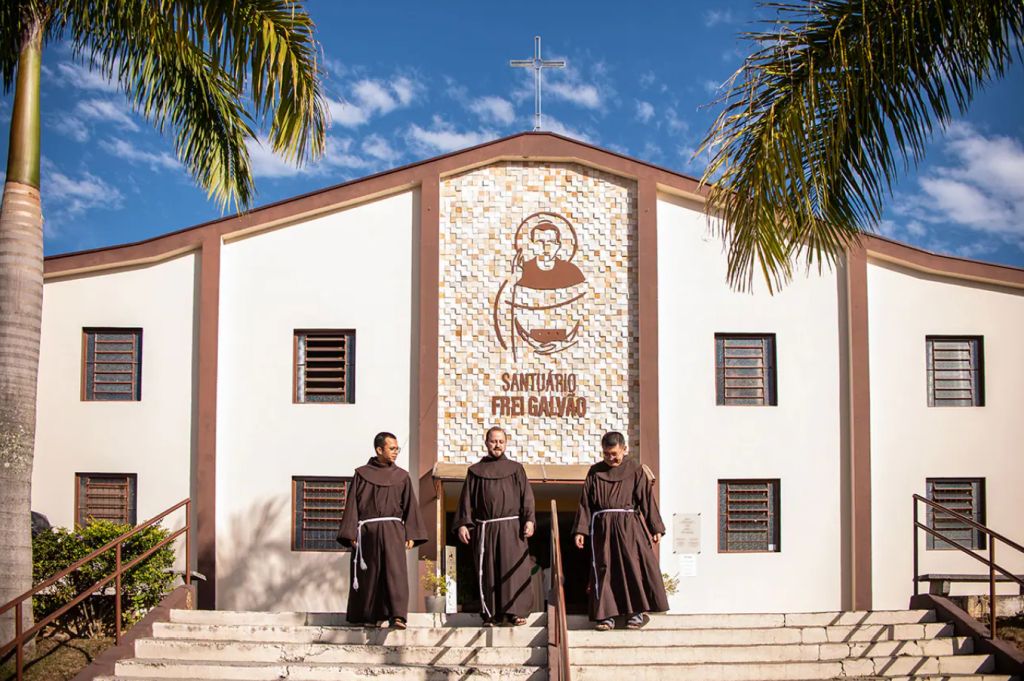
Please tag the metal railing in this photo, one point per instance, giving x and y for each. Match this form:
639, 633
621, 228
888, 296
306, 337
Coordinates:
558, 624
990, 561
18, 604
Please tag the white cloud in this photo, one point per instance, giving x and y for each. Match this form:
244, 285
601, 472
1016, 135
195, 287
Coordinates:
84, 78
346, 113
405, 89
712, 86
71, 126
372, 97
380, 148
444, 138
493, 109
647, 79
556, 126
675, 123
337, 155
644, 111
127, 151
581, 94
71, 196
265, 163
107, 111
715, 17
981, 187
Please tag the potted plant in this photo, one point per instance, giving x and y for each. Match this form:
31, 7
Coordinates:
435, 586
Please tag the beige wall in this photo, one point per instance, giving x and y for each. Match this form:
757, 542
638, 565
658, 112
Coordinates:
151, 437
352, 269
911, 441
798, 441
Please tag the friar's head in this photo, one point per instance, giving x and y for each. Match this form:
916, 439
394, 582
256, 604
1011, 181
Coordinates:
613, 448
385, 445
495, 441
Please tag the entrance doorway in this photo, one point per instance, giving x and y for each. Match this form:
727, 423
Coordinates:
576, 563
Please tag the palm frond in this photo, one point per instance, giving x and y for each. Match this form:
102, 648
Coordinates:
174, 71
839, 97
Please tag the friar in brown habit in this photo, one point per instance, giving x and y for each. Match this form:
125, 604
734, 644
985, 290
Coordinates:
620, 516
381, 521
496, 509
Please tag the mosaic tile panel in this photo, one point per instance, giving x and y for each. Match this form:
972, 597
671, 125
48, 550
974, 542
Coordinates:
537, 311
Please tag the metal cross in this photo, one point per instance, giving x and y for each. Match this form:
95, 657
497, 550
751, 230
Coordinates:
537, 64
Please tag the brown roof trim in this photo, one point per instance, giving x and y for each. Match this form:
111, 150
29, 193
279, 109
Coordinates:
887, 250
528, 145
534, 146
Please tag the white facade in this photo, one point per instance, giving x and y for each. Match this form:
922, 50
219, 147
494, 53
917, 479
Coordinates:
797, 442
911, 441
346, 270
152, 437
356, 266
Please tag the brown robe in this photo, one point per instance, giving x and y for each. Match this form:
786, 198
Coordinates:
628, 577
379, 491
498, 488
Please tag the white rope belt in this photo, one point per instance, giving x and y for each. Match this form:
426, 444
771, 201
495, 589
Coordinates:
593, 550
483, 537
360, 564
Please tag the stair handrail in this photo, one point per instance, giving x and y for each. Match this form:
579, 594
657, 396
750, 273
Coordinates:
990, 561
558, 628
21, 635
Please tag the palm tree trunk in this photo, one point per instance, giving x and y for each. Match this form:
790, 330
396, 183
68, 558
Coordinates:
21, 305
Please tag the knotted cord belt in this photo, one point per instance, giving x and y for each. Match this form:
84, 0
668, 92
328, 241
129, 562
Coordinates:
359, 562
483, 538
593, 549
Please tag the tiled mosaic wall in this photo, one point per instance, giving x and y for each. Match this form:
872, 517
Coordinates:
482, 211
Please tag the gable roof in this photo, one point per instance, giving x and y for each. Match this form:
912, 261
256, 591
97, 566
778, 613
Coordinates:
531, 146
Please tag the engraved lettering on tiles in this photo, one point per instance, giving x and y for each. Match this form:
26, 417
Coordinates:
537, 311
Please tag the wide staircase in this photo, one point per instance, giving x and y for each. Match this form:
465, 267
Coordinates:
851, 645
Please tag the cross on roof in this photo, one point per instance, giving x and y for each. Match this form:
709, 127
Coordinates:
537, 64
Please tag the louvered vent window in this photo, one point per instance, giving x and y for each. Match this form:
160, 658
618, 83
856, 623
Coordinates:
966, 496
112, 367
748, 516
745, 369
955, 371
325, 366
319, 503
105, 496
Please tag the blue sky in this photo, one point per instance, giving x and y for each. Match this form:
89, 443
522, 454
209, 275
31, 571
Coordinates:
410, 80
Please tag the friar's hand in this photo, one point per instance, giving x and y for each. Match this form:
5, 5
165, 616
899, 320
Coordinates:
408, 543
579, 541
655, 538
528, 529
464, 534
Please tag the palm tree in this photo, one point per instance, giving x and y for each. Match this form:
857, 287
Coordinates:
189, 66
840, 96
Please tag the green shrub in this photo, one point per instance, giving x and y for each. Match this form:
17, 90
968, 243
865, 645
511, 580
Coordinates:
143, 586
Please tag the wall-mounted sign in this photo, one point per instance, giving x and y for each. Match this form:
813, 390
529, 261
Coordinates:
686, 533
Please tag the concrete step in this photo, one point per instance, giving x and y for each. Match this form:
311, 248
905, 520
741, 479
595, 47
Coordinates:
321, 653
769, 653
319, 619
304, 671
657, 621
769, 620
633, 638
413, 636
882, 667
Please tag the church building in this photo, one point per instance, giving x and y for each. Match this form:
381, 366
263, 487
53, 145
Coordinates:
558, 290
